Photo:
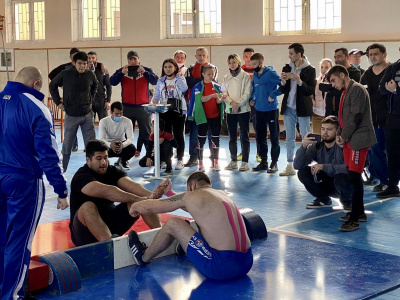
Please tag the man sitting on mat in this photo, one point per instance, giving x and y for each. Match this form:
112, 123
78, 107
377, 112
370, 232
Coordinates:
222, 250
94, 189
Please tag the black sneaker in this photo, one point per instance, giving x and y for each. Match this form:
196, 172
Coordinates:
168, 171
379, 188
361, 218
273, 168
125, 164
137, 248
389, 192
370, 181
191, 163
319, 204
261, 167
75, 149
347, 207
349, 225
117, 163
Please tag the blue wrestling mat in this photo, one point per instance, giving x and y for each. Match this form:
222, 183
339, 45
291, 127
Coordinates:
285, 267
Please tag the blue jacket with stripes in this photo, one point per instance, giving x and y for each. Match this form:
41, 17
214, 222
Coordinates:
28, 144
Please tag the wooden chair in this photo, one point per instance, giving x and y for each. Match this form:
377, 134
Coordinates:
58, 116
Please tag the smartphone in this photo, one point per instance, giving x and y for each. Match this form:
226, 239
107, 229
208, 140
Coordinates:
133, 71
289, 75
317, 137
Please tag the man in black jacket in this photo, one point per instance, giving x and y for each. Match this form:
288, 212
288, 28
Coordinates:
79, 89
102, 99
390, 85
297, 85
378, 164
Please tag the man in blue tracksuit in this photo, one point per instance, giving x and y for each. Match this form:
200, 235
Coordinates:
265, 100
28, 148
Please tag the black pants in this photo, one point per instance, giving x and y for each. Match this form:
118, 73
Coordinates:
143, 119
98, 108
126, 154
214, 125
337, 186
270, 119
175, 124
165, 155
243, 120
357, 205
393, 152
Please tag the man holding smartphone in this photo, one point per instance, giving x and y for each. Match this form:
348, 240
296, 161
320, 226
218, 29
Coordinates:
135, 80
321, 167
117, 132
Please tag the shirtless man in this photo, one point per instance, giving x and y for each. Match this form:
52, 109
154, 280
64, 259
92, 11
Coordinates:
222, 250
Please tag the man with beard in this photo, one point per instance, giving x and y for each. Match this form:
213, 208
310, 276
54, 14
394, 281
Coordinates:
327, 176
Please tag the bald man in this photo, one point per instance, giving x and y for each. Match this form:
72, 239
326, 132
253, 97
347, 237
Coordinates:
28, 148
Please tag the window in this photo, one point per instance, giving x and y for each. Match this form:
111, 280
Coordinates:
98, 19
303, 16
193, 18
28, 22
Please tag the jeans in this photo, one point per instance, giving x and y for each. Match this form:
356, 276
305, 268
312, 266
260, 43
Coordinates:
377, 156
290, 119
337, 186
270, 119
71, 125
244, 121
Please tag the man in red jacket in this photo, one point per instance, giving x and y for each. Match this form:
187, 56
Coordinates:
135, 79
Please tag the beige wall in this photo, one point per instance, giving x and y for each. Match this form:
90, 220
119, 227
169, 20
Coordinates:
141, 30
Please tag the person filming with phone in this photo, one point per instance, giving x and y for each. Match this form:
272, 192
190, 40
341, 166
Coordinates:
321, 166
135, 79
117, 132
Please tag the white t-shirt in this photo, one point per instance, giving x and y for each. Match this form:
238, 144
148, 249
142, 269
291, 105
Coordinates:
110, 131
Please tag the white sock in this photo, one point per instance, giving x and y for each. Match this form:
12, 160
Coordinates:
290, 163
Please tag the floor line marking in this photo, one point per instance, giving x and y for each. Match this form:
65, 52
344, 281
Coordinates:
330, 214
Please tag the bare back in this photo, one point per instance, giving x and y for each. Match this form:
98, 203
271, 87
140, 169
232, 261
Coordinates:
207, 207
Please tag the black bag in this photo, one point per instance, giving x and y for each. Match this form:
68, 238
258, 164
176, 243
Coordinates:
175, 104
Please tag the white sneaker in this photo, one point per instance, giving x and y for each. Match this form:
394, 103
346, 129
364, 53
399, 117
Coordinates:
244, 166
288, 171
201, 168
217, 168
179, 165
163, 165
232, 166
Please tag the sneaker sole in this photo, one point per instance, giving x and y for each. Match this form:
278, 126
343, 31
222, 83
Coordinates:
387, 196
319, 206
349, 229
359, 220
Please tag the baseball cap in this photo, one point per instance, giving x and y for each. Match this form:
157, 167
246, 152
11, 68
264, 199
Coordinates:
354, 51
132, 54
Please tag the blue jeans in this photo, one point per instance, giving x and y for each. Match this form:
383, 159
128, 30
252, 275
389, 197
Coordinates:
377, 156
290, 119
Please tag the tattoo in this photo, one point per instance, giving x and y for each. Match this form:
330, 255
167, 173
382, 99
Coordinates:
174, 197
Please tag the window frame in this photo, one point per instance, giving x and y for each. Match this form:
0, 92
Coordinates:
31, 21
195, 24
306, 21
102, 24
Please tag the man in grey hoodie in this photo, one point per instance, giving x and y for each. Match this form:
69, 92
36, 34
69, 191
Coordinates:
297, 85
